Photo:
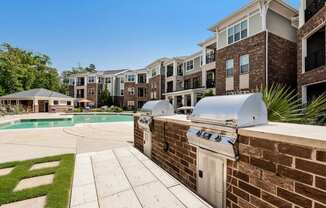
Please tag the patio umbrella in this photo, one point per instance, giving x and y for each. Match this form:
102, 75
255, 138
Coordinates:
85, 101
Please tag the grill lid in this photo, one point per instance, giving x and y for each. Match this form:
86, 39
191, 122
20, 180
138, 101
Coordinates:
158, 108
231, 110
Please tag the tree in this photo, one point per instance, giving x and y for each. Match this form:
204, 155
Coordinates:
23, 70
91, 68
105, 98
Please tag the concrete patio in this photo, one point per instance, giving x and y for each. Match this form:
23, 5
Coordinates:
124, 177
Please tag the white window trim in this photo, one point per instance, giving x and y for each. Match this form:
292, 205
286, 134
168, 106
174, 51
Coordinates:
226, 74
248, 64
232, 26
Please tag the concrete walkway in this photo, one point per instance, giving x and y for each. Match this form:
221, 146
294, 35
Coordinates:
24, 144
125, 178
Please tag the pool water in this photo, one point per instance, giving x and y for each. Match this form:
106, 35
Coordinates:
65, 122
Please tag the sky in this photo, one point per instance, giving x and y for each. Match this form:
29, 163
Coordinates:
112, 34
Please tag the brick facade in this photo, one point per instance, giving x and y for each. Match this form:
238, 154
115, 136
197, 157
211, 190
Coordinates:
137, 99
281, 62
255, 46
157, 85
269, 173
93, 97
315, 75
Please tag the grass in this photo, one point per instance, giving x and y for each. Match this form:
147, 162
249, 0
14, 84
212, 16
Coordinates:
58, 193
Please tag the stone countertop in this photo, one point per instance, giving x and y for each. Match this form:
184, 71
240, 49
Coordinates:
309, 135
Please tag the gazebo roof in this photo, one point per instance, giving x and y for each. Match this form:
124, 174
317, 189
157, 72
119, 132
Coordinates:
34, 93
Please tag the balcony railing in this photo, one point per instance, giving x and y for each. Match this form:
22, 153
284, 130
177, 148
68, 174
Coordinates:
210, 58
80, 83
169, 73
313, 8
315, 60
210, 83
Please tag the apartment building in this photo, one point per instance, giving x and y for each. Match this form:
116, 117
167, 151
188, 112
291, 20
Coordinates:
256, 46
156, 78
184, 86
311, 49
90, 86
136, 89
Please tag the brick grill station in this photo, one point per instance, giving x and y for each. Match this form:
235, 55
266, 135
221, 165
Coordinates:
268, 174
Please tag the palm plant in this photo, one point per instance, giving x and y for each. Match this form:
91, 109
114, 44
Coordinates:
284, 105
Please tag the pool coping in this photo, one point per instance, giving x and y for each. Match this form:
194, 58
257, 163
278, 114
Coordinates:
57, 116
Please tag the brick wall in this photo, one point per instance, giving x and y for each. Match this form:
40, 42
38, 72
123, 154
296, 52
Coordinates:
138, 136
135, 97
90, 96
316, 75
255, 47
269, 173
180, 159
156, 84
282, 62
275, 174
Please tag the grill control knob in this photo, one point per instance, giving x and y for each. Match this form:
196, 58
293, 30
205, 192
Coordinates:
218, 138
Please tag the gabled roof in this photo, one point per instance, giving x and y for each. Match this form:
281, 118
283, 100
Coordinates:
38, 92
108, 72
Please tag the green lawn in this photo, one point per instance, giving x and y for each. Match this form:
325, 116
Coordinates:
57, 193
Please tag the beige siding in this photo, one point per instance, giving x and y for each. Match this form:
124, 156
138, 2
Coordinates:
222, 39
255, 24
281, 26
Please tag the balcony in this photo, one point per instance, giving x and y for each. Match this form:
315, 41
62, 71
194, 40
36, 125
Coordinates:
80, 83
313, 8
210, 83
315, 60
210, 58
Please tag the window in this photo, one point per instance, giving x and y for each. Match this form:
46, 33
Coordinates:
153, 72
71, 81
131, 91
131, 78
101, 80
244, 64
141, 92
91, 79
121, 92
237, 32
63, 102
229, 68
91, 91
190, 65
55, 102
68, 102
108, 80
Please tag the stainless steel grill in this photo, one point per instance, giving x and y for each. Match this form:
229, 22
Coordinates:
222, 116
150, 110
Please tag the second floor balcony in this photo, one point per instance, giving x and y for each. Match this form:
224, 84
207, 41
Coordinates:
210, 83
210, 58
315, 60
313, 6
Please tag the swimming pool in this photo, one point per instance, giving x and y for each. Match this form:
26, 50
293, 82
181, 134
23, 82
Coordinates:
65, 122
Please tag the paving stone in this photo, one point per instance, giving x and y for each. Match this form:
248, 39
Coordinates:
38, 202
34, 182
83, 194
156, 195
87, 205
45, 165
139, 175
5, 171
188, 198
120, 200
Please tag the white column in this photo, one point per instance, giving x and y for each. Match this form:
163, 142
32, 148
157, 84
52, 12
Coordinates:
183, 100
175, 102
193, 99
204, 77
301, 12
263, 7
204, 55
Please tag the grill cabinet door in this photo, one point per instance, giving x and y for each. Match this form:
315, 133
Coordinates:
147, 143
210, 177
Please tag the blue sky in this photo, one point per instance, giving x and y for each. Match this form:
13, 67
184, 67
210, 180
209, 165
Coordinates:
111, 33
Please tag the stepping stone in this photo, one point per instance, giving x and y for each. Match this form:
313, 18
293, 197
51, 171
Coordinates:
5, 171
38, 202
34, 182
45, 165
